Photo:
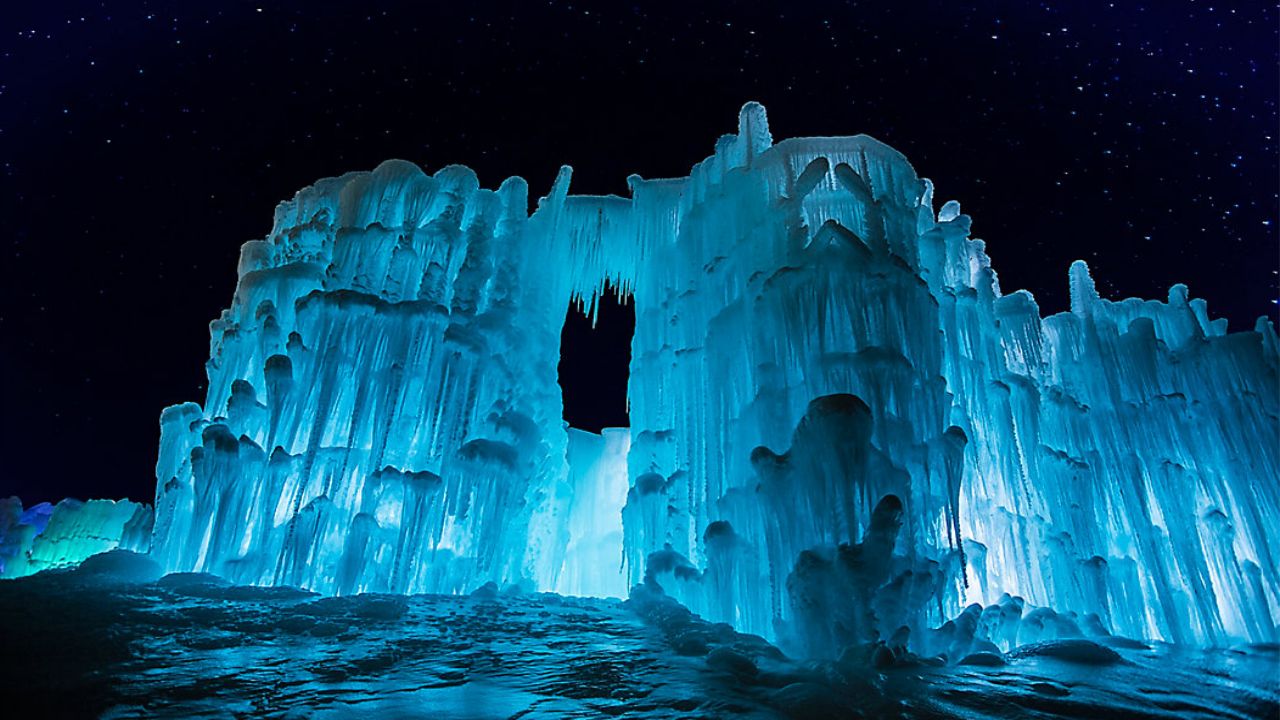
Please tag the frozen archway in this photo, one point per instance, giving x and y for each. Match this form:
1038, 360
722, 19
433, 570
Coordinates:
383, 411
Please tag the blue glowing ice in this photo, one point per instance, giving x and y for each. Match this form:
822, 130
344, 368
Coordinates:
45, 536
840, 426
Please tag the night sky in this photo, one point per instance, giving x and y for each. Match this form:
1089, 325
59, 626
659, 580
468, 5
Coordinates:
143, 143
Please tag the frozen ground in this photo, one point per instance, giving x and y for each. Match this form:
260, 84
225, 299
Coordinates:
110, 640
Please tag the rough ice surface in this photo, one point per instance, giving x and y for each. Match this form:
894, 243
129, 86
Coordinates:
192, 646
840, 426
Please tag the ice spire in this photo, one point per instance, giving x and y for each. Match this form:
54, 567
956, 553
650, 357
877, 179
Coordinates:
753, 129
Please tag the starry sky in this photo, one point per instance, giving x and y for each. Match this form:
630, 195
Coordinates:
142, 143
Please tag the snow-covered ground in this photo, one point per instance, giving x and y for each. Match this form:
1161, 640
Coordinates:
110, 640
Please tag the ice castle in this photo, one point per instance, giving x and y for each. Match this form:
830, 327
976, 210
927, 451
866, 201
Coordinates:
840, 425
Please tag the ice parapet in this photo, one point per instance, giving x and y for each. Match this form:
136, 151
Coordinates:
811, 338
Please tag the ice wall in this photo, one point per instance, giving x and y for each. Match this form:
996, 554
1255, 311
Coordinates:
44, 536
1120, 459
811, 338
382, 411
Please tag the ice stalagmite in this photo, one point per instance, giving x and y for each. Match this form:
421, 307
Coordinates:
840, 426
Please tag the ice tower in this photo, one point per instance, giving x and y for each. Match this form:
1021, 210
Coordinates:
837, 418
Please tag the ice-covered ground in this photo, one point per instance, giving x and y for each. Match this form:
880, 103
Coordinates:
110, 639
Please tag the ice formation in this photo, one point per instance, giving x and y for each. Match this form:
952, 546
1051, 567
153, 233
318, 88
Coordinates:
47, 536
842, 431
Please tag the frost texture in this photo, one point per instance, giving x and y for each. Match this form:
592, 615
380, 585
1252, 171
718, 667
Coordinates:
812, 342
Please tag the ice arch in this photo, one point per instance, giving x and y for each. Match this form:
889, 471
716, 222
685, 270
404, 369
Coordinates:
383, 415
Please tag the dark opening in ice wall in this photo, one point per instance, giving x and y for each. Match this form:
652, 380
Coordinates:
812, 342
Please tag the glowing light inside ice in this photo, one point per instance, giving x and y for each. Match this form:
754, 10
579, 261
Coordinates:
840, 423
383, 412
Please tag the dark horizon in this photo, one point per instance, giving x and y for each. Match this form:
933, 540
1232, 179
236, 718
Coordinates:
145, 142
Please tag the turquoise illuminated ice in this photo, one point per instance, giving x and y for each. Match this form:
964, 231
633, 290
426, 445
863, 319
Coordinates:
44, 537
383, 412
